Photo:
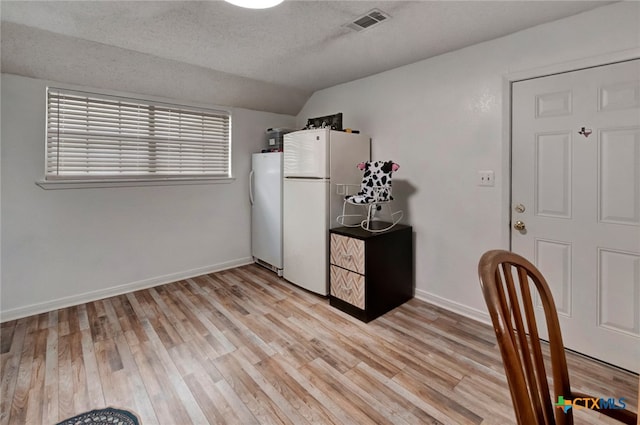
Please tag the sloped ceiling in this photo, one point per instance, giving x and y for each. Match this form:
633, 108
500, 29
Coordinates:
270, 60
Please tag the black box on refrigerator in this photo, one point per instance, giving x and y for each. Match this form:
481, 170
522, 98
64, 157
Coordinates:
275, 138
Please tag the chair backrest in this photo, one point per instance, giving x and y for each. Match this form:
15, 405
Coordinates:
376, 181
508, 281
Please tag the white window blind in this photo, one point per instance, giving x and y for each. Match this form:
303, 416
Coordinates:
95, 136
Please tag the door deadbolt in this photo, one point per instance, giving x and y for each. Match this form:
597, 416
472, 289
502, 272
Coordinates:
519, 225
519, 208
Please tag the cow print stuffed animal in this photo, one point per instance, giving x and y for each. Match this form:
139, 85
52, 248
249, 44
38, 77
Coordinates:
376, 183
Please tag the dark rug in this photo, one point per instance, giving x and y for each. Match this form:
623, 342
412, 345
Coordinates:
107, 416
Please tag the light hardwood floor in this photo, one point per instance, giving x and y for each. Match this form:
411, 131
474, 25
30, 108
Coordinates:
244, 347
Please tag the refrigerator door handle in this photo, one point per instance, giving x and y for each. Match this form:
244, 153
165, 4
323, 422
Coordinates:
303, 178
251, 187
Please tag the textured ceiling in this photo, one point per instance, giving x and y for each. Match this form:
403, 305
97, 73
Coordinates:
298, 45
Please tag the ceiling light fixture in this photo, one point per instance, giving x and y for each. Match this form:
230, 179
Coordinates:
255, 4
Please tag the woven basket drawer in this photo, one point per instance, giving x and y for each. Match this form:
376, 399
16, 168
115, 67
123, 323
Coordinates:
347, 286
347, 253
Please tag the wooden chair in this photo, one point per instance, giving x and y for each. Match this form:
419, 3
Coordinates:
507, 280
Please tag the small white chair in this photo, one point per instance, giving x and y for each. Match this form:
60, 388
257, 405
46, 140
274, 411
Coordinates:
374, 195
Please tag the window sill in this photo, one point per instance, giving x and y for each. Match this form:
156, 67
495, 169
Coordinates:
90, 184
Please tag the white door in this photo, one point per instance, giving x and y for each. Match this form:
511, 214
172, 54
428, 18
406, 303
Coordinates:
577, 193
306, 233
306, 154
266, 207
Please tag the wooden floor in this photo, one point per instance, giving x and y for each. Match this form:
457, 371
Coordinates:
244, 347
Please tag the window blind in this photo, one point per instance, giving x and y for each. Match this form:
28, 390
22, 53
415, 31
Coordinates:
95, 136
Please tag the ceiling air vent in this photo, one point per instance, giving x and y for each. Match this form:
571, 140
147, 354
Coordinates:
369, 20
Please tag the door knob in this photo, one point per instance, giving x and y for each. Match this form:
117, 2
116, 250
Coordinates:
519, 225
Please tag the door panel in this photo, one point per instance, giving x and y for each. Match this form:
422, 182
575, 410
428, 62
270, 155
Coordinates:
619, 176
555, 257
576, 183
553, 175
618, 310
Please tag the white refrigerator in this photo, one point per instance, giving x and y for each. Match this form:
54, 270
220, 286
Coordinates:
316, 165
265, 194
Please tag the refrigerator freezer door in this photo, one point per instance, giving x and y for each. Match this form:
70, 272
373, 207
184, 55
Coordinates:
306, 233
306, 154
266, 211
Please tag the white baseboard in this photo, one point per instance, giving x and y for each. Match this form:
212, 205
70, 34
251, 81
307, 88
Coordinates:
17, 313
461, 309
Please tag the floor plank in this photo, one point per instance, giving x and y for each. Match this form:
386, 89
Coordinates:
243, 346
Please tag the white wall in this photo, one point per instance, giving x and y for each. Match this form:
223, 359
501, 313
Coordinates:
62, 247
443, 119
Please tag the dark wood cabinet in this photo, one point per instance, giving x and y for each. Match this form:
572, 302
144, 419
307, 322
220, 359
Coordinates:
371, 273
